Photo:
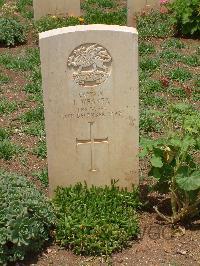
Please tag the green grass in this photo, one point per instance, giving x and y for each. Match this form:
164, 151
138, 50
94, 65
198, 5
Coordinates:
4, 79
146, 48
34, 115
173, 43
51, 22
42, 176
96, 16
177, 92
35, 129
149, 64
7, 106
2, 2
153, 101
35, 82
170, 56
155, 24
8, 149
41, 150
191, 60
180, 74
24, 7
149, 121
4, 134
106, 4
149, 86
21, 62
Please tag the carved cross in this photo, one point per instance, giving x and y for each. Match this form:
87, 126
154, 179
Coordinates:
92, 141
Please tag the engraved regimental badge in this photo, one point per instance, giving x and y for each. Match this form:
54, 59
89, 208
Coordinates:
90, 64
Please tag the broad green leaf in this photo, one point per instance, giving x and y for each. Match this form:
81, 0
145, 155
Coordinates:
144, 152
156, 173
156, 161
189, 183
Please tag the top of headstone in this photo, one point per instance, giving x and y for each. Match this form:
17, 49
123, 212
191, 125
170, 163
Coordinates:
82, 28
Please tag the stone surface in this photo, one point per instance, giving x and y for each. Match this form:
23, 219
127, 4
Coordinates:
135, 6
90, 84
56, 7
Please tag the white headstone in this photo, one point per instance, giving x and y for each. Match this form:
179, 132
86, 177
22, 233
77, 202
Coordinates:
90, 84
56, 7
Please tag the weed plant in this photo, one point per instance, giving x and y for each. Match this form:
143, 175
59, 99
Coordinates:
173, 163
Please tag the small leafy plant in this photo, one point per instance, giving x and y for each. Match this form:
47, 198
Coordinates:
26, 218
173, 162
186, 16
12, 32
96, 221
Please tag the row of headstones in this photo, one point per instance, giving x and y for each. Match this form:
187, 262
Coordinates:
90, 86
72, 8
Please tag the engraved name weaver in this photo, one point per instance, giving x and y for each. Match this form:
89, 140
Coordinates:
91, 64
